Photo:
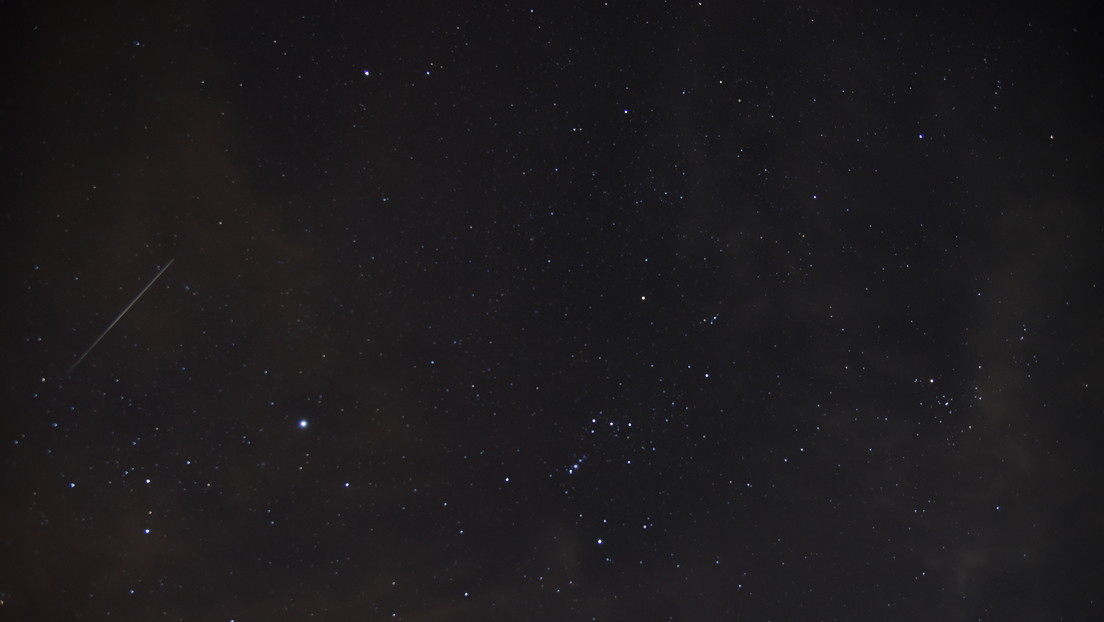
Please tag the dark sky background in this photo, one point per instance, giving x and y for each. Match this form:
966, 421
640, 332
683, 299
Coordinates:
576, 311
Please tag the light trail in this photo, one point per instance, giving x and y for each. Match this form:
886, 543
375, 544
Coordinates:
120, 316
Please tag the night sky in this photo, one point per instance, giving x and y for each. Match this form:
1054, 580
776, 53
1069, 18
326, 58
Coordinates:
580, 311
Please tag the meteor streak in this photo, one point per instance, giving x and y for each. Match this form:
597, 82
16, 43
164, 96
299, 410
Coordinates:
120, 316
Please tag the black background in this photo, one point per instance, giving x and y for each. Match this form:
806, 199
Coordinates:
574, 311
